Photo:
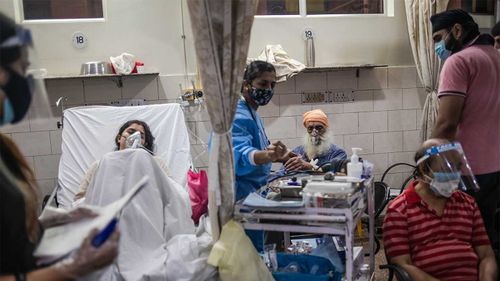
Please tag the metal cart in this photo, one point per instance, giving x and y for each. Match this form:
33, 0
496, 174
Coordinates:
338, 222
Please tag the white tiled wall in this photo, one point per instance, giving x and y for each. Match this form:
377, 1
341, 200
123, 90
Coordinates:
383, 119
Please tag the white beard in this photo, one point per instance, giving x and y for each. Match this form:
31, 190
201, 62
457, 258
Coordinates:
315, 146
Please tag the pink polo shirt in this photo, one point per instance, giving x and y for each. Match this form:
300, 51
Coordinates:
474, 73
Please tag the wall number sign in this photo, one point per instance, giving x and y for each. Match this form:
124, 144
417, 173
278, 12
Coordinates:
79, 40
308, 33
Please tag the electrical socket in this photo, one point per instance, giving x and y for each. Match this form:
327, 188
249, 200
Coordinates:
339, 96
334, 96
314, 97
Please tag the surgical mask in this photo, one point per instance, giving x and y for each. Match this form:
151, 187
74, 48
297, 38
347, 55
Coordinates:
444, 184
134, 140
8, 112
261, 96
441, 50
19, 92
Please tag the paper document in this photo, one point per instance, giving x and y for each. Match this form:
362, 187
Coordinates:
60, 240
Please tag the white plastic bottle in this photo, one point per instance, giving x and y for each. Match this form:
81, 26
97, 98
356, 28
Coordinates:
355, 168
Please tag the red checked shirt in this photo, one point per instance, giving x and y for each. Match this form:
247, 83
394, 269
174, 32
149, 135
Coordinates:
443, 246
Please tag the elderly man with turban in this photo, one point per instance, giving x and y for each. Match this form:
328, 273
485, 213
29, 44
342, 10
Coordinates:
317, 149
469, 104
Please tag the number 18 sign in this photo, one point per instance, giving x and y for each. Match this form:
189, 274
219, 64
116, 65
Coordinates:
79, 40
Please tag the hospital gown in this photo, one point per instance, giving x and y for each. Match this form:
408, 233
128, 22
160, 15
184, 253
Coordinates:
248, 137
334, 152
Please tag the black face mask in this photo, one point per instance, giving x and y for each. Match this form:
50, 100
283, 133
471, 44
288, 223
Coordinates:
261, 96
18, 91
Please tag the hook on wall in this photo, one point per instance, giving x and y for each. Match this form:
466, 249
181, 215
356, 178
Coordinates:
118, 81
60, 103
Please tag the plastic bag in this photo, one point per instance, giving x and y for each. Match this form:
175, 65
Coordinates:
236, 257
198, 193
123, 64
328, 250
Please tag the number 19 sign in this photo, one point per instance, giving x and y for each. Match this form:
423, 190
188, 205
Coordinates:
79, 40
308, 33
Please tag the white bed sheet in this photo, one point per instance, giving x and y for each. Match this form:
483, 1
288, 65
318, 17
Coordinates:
157, 213
89, 133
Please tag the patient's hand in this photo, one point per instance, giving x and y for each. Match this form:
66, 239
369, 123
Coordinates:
297, 164
54, 216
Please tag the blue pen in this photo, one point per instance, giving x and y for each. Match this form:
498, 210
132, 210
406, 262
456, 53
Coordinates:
100, 238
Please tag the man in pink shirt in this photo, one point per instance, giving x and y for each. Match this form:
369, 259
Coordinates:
495, 32
469, 103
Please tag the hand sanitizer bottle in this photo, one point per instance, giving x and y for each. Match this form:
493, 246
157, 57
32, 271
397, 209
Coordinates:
355, 168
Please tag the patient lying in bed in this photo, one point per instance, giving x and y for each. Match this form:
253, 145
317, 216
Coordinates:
127, 129
159, 212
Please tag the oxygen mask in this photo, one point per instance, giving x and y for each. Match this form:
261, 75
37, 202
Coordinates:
134, 140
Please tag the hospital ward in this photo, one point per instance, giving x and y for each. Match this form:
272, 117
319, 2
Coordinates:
250, 140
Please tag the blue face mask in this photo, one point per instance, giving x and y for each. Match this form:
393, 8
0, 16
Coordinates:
446, 176
261, 96
441, 50
444, 184
19, 92
8, 112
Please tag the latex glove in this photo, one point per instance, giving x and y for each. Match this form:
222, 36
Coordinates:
88, 258
55, 216
277, 150
288, 155
297, 164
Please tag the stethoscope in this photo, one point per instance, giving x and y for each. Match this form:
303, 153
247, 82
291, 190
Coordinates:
263, 136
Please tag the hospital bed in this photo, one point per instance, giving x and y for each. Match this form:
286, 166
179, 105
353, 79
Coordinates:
89, 133
158, 239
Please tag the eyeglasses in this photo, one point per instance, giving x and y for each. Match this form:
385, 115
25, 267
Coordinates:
317, 128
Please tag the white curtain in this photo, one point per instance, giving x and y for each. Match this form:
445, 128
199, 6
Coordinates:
418, 13
221, 30
498, 11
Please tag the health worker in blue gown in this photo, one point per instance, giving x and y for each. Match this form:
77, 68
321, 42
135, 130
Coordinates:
253, 152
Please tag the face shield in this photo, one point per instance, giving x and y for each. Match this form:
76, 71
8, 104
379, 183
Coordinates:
447, 169
25, 88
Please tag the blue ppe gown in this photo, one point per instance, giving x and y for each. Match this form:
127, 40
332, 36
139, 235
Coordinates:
248, 137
